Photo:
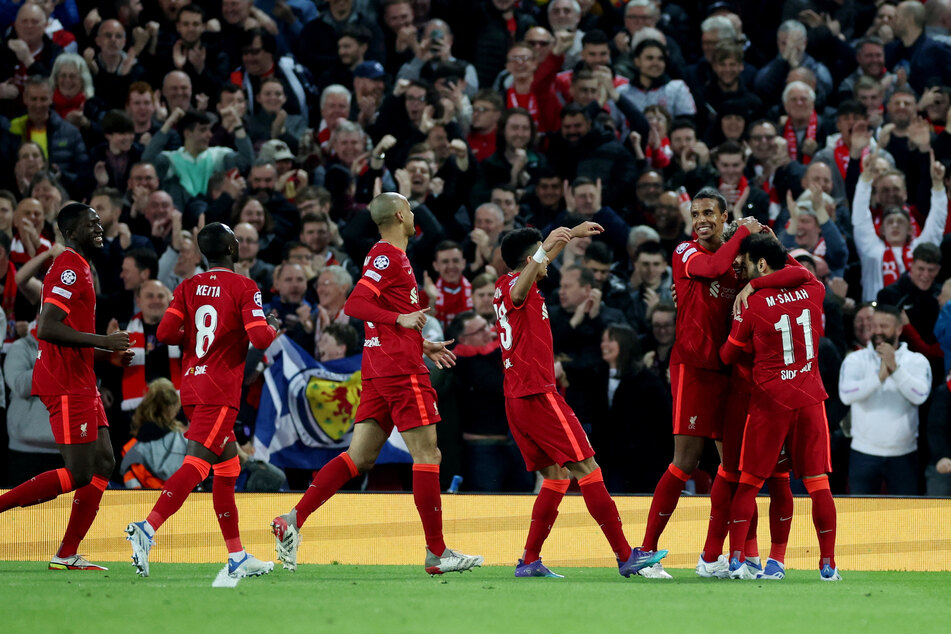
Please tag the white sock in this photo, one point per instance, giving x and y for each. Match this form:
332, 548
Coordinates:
238, 556
149, 529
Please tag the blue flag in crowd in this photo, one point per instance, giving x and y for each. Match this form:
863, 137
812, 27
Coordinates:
307, 410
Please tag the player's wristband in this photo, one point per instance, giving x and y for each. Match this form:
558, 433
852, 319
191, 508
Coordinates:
540, 255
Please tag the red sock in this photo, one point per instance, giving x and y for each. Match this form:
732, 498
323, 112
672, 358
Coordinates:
666, 496
823, 516
719, 526
85, 506
543, 517
177, 488
328, 481
604, 511
780, 515
741, 511
42, 488
751, 547
429, 505
222, 492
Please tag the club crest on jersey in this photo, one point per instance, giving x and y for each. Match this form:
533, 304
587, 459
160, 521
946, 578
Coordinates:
68, 277
380, 262
682, 247
414, 296
82, 430
257, 298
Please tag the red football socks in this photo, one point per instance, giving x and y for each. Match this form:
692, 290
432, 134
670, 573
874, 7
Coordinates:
85, 506
429, 505
604, 511
666, 496
222, 491
42, 488
780, 516
543, 517
719, 526
328, 481
751, 547
823, 516
177, 489
741, 512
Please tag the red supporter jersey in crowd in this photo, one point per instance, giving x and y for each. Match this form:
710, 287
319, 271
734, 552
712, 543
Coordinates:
389, 284
218, 309
783, 326
706, 287
66, 369
525, 335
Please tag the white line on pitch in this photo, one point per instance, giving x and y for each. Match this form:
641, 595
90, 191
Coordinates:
223, 580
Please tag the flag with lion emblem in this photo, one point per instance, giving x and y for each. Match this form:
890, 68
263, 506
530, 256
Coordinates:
307, 410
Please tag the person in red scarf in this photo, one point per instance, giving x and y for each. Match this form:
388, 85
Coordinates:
803, 128
855, 142
451, 293
72, 88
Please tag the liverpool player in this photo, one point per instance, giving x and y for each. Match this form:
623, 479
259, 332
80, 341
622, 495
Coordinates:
64, 380
706, 286
546, 430
782, 327
213, 317
396, 391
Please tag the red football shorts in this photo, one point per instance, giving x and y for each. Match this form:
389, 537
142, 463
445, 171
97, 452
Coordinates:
211, 426
405, 401
734, 423
546, 430
75, 419
805, 432
699, 401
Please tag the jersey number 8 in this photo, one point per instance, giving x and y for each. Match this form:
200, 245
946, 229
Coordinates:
206, 320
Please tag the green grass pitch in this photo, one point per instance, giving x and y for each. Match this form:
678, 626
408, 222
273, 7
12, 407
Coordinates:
180, 598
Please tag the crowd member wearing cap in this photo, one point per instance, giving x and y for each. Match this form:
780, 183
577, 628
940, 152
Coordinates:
885, 258
290, 180
369, 84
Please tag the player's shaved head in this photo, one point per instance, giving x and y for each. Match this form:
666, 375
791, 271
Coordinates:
71, 216
215, 242
384, 207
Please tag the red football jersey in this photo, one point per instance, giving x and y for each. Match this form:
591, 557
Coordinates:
784, 326
389, 349
217, 308
66, 369
706, 287
525, 335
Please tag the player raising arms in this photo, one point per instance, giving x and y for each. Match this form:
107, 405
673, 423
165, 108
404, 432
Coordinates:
706, 286
396, 391
787, 404
546, 430
213, 317
64, 380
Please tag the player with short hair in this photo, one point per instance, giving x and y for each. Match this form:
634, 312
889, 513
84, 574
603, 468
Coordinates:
706, 287
782, 327
396, 391
213, 317
64, 379
547, 432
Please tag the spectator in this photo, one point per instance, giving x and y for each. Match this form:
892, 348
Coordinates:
181, 259
259, 60
743, 199
577, 325
811, 228
451, 294
870, 57
654, 278
658, 343
920, 56
369, 83
435, 48
938, 468
727, 85
615, 292
32, 449
207, 66
31, 159
316, 47
791, 41
321, 235
337, 341
290, 306
60, 140
158, 446
113, 160
72, 89
248, 263
140, 105
152, 359
885, 259
651, 84
194, 163
28, 52
7, 203
270, 120
483, 288
884, 384
138, 267
399, 34
177, 92
916, 294
352, 43
627, 386
669, 221
486, 31
115, 70
583, 198
117, 238
334, 283
492, 461
28, 227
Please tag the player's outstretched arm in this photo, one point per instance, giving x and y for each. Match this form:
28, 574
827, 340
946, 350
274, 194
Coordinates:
538, 262
50, 327
713, 266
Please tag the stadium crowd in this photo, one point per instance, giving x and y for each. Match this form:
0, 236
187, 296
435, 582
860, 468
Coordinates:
283, 118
